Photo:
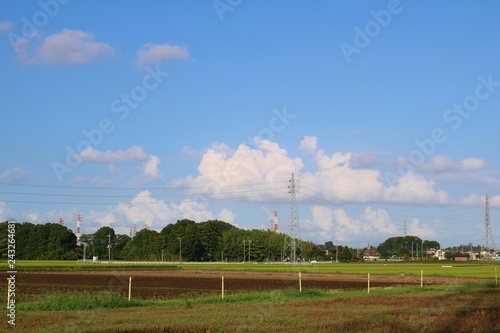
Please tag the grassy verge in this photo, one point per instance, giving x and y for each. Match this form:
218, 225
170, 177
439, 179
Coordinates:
457, 308
107, 299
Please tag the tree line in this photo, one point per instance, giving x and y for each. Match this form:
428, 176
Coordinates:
184, 240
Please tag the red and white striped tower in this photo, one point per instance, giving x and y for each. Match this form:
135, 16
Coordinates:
275, 225
61, 221
78, 234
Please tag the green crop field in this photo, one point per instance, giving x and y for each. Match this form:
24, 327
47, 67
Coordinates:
485, 270
449, 269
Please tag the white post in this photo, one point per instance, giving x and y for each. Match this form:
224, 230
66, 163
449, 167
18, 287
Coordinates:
368, 283
222, 287
421, 278
300, 281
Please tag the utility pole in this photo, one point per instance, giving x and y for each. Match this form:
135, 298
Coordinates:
488, 243
244, 251
291, 241
180, 248
109, 247
249, 242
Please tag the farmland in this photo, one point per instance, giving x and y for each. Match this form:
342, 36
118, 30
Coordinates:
72, 297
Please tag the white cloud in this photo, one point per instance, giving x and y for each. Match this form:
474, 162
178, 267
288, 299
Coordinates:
227, 216
442, 164
337, 225
309, 145
155, 53
422, 231
33, 217
221, 167
413, 188
103, 219
335, 178
471, 164
14, 175
480, 200
6, 26
144, 210
150, 168
5, 212
68, 47
363, 160
132, 154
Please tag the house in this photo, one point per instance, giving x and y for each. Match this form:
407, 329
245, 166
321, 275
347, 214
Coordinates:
371, 255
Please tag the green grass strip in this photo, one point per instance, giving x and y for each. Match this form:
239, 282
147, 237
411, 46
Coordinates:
106, 300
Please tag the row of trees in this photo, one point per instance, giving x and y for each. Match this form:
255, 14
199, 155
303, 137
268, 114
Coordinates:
50, 241
404, 247
185, 240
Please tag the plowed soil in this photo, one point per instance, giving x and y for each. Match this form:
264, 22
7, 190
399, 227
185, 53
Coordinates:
191, 283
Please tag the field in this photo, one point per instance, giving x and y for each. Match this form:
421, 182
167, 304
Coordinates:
70, 297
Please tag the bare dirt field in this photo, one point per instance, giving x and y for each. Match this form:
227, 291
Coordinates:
191, 283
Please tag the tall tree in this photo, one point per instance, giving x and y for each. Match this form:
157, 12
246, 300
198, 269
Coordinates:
101, 240
146, 245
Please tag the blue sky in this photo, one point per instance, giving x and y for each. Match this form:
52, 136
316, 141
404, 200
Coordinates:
149, 112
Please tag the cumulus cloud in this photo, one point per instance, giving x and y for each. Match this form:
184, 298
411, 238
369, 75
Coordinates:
68, 47
480, 200
221, 167
442, 164
6, 26
309, 145
422, 231
132, 154
363, 160
150, 168
5, 212
155, 53
337, 177
14, 175
472, 163
414, 188
337, 224
218, 147
145, 210
227, 216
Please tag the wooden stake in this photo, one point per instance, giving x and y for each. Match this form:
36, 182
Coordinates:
300, 281
368, 283
129, 287
421, 278
222, 287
